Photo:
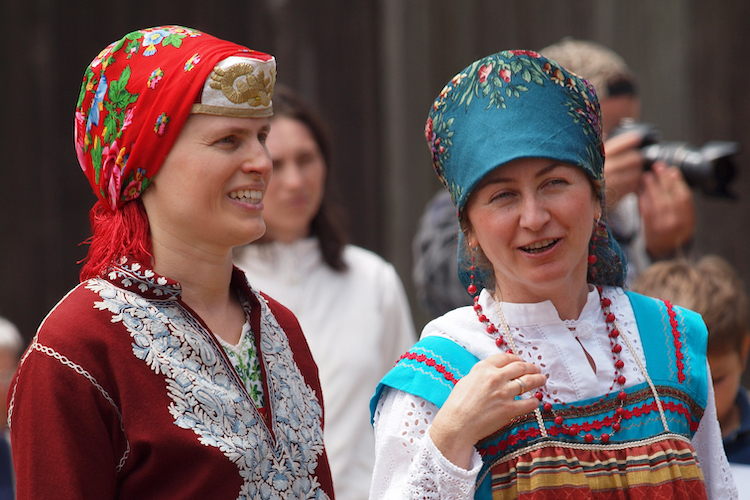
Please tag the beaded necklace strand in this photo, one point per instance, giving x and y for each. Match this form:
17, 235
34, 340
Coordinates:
504, 341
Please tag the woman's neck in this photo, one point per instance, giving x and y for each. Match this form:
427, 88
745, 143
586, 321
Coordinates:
192, 266
205, 279
285, 235
569, 306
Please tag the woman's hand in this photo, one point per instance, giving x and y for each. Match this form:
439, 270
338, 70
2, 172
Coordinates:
623, 166
483, 402
668, 210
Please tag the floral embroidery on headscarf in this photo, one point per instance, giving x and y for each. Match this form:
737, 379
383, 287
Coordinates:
161, 124
144, 67
112, 165
163, 37
494, 80
135, 184
96, 106
155, 78
489, 80
190, 64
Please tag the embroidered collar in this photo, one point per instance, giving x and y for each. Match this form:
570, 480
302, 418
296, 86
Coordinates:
139, 278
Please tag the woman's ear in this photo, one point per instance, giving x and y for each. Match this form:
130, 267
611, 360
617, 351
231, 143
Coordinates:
471, 239
468, 230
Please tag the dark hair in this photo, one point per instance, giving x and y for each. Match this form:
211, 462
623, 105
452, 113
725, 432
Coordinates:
622, 85
326, 225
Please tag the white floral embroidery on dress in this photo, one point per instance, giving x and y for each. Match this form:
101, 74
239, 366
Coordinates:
206, 396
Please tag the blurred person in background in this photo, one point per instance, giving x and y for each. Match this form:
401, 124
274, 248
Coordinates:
163, 374
349, 301
11, 344
713, 288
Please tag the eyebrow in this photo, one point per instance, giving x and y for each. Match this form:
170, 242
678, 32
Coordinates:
549, 168
552, 166
235, 130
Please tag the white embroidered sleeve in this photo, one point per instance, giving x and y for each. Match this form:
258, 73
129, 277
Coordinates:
408, 466
708, 445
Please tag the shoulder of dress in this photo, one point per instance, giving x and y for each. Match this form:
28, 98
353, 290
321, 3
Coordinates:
451, 324
284, 316
71, 309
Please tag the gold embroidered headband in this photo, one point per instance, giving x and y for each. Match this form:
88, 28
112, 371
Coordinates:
239, 86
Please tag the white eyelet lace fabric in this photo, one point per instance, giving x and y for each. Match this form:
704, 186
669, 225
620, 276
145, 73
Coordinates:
709, 447
408, 466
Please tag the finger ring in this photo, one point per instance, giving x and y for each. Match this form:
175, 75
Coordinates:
521, 385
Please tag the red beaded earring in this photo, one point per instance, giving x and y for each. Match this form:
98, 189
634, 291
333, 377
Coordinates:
472, 288
592, 249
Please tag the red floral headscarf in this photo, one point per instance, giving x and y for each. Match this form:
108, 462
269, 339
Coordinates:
138, 92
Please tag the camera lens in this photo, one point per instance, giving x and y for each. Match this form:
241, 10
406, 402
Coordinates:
709, 168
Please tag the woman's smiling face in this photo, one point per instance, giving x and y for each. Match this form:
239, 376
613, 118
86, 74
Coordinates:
533, 219
209, 191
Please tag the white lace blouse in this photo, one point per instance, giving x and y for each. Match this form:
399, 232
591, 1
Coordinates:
409, 466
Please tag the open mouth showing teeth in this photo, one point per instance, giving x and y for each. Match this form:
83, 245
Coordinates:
539, 246
247, 196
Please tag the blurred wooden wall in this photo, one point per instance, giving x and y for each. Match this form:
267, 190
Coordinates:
372, 67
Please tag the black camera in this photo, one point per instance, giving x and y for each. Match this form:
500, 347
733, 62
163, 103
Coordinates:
709, 168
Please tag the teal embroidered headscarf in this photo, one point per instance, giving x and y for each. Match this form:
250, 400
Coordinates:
518, 104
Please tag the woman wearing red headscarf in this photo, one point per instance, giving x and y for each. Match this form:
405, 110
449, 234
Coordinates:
163, 374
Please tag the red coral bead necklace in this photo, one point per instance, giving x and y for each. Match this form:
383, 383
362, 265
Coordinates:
504, 341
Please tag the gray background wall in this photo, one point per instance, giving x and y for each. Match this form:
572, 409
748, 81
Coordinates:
372, 67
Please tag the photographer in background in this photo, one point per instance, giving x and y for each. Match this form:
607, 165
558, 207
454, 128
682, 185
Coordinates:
652, 213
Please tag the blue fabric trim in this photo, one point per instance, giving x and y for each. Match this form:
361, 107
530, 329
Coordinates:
651, 316
632, 429
483, 491
420, 379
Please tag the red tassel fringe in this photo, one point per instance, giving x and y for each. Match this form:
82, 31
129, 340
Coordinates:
115, 235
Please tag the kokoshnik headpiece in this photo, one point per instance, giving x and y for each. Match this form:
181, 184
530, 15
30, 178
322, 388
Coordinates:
138, 92
511, 105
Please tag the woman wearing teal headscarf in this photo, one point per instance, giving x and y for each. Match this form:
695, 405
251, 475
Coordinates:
556, 383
